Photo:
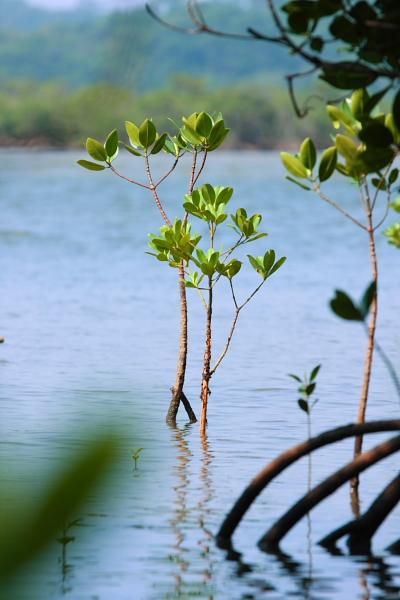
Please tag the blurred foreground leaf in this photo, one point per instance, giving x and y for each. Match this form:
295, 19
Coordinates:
25, 533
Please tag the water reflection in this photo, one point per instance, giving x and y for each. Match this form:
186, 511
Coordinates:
193, 572
66, 568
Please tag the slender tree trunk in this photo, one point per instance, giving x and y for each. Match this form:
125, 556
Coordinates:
177, 390
362, 407
205, 382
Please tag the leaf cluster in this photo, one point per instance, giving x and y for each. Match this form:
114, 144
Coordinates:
199, 132
368, 143
369, 31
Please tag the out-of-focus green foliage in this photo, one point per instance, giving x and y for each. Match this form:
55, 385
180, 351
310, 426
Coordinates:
26, 531
51, 114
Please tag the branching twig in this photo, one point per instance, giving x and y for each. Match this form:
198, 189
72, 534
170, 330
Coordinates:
164, 177
143, 185
344, 212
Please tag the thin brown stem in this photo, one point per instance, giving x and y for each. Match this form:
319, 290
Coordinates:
143, 185
371, 336
234, 323
152, 187
203, 163
164, 177
344, 212
177, 390
205, 382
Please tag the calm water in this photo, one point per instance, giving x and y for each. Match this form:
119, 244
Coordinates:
90, 324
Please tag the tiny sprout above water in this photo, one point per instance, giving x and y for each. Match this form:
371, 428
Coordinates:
136, 455
306, 389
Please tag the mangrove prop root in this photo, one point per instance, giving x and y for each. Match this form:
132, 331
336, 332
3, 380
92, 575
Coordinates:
362, 530
270, 541
283, 461
171, 416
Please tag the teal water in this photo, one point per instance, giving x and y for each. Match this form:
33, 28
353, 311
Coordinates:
90, 322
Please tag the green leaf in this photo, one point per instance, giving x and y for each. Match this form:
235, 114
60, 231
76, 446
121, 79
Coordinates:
86, 164
132, 150
314, 372
376, 134
111, 145
344, 307
301, 185
159, 144
393, 176
303, 404
147, 133
295, 377
346, 147
277, 265
327, 164
359, 102
347, 75
203, 124
396, 111
367, 299
308, 154
96, 149
133, 133
339, 117
217, 135
74, 482
294, 165
309, 388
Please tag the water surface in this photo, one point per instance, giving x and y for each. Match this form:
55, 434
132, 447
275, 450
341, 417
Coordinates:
90, 322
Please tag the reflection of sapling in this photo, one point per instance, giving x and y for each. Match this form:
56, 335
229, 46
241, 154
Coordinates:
177, 244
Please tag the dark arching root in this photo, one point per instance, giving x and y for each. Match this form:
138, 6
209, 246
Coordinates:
257, 485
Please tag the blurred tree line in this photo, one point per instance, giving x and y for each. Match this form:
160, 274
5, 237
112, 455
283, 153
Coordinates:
50, 114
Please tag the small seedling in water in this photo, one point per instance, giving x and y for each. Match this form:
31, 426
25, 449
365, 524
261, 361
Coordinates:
306, 390
136, 456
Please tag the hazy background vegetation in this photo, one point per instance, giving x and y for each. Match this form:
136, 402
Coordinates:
67, 74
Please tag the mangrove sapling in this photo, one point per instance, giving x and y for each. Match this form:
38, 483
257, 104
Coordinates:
177, 244
367, 148
200, 134
306, 390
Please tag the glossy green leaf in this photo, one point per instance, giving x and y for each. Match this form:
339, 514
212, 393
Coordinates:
204, 124
301, 185
133, 133
132, 150
90, 166
96, 149
294, 165
147, 133
308, 154
111, 145
327, 164
346, 147
159, 144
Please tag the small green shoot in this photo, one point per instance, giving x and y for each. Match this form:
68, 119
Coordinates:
136, 455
